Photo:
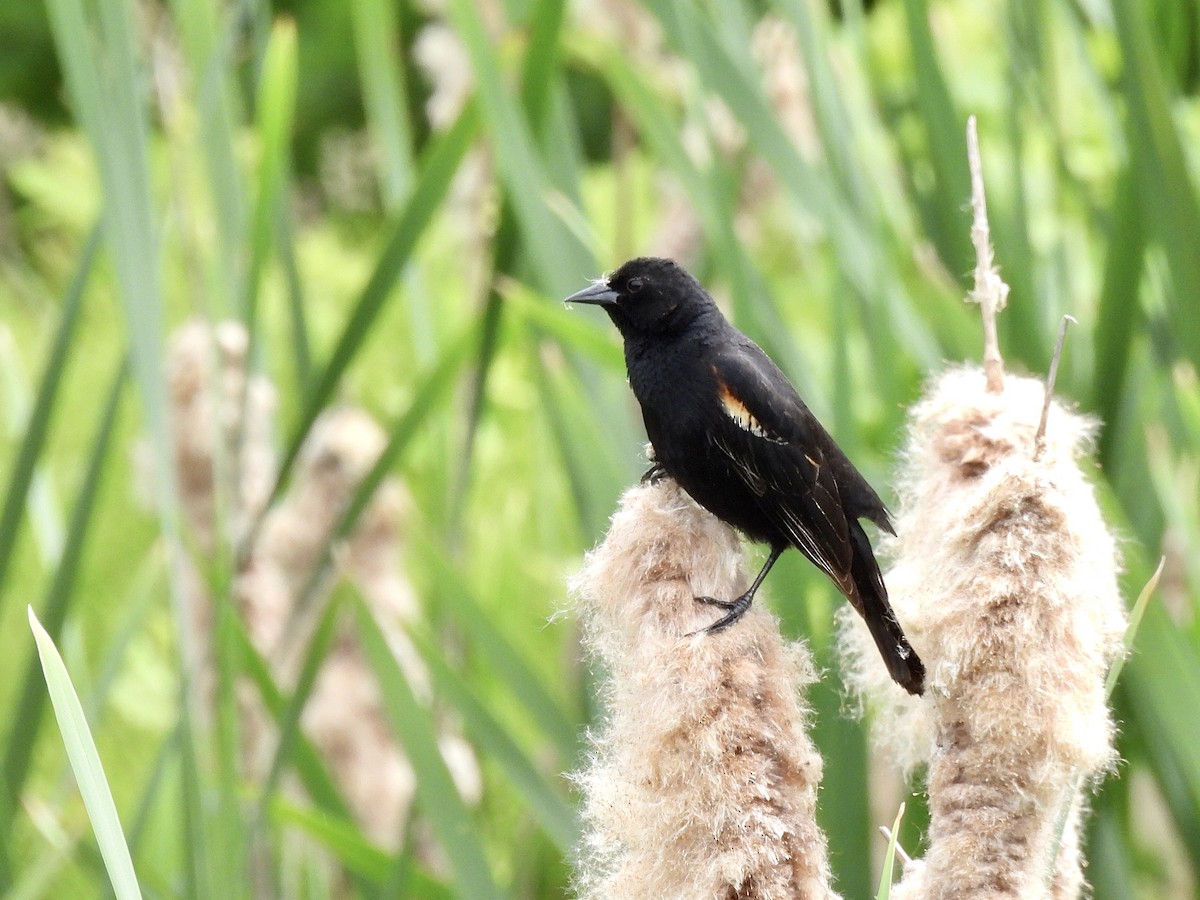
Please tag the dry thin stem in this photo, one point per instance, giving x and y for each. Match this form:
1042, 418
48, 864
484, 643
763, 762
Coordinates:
901, 853
1040, 438
991, 293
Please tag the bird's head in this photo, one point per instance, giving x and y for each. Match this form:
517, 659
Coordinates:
648, 296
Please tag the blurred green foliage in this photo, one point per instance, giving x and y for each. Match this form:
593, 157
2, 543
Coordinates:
392, 196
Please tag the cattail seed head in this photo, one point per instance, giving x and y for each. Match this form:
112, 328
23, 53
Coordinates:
702, 780
1006, 582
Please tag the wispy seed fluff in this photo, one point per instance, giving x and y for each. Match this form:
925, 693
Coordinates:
1005, 580
702, 780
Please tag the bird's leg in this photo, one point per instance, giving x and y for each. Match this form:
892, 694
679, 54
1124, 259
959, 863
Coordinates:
656, 473
736, 608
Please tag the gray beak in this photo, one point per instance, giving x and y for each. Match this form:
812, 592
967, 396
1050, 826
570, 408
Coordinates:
598, 293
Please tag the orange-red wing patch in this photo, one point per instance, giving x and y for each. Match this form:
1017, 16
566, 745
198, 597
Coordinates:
741, 415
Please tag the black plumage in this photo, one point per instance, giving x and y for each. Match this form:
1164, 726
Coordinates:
728, 426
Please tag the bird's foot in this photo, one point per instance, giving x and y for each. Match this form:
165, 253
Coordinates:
654, 474
734, 610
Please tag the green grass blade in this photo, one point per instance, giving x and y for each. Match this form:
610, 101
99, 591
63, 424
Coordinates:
100, 68
276, 109
440, 164
1164, 177
1117, 314
39, 420
539, 69
27, 715
594, 340
301, 348
944, 130
207, 51
506, 661
507, 247
346, 842
301, 754
556, 816
431, 389
359, 856
889, 859
85, 763
288, 719
381, 71
438, 798
558, 255
1162, 679
1135, 622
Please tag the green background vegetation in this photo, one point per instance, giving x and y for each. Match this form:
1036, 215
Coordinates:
163, 160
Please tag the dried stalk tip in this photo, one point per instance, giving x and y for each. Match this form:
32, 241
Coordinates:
702, 780
991, 293
1006, 582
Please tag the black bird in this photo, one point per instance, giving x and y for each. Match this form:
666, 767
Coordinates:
728, 426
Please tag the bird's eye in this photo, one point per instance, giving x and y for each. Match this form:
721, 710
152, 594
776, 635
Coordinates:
634, 285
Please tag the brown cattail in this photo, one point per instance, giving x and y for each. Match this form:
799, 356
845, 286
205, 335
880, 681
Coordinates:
1005, 579
702, 781
222, 421
209, 390
344, 717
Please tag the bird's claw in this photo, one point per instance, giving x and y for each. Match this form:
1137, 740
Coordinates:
654, 474
735, 609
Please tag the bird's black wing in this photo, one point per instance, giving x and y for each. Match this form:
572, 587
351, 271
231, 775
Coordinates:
777, 446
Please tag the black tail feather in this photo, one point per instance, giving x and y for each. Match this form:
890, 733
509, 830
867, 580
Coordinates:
902, 661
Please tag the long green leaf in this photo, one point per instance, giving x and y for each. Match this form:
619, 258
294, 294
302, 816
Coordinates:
27, 714
944, 129
430, 390
1162, 679
1117, 313
207, 51
506, 660
1165, 185
439, 166
889, 859
359, 856
558, 254
39, 419
85, 762
381, 71
288, 718
276, 108
436, 794
552, 812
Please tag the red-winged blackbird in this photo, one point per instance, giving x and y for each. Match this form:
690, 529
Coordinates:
727, 425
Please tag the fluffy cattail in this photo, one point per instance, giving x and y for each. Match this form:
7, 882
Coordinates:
222, 426
1005, 580
344, 716
702, 781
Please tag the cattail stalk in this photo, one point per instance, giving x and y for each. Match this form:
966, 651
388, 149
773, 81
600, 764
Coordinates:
702, 780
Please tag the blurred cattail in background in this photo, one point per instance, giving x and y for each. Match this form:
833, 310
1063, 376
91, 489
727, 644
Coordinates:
280, 590
1005, 578
702, 780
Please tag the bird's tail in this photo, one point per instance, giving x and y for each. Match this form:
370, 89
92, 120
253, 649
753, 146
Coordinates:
870, 598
